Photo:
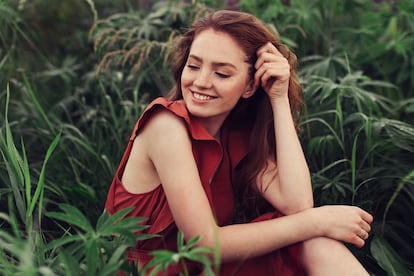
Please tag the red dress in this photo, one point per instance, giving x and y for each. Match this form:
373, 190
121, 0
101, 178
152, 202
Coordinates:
216, 164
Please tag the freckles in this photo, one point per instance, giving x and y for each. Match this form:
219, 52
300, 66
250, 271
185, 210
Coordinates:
185, 80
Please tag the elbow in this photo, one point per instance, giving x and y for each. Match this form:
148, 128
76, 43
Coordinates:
208, 238
297, 206
302, 202
306, 204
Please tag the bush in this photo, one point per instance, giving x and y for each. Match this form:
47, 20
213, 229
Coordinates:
76, 90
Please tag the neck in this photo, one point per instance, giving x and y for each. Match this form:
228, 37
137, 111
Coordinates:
213, 127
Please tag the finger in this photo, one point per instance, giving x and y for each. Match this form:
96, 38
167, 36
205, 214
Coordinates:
367, 217
258, 76
266, 58
263, 75
268, 48
277, 68
270, 58
266, 79
363, 234
359, 238
365, 226
357, 241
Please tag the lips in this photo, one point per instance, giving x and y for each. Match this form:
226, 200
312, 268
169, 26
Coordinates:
202, 97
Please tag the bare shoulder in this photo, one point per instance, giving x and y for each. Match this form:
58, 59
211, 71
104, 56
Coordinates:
157, 140
163, 131
166, 122
164, 147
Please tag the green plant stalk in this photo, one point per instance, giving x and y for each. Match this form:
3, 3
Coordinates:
46, 120
39, 192
93, 9
353, 166
368, 138
13, 163
394, 196
26, 174
21, 184
37, 105
339, 118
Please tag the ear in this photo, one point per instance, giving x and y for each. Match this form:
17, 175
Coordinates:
250, 90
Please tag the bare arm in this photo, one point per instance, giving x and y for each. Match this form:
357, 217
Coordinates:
289, 187
169, 148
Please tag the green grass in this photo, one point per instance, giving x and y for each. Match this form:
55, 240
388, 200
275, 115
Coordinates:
67, 112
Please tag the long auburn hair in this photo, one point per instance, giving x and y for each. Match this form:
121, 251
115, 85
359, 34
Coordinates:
250, 33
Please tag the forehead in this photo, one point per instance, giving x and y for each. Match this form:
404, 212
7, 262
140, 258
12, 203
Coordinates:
217, 46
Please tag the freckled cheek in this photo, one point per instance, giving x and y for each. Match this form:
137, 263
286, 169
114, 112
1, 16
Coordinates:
186, 80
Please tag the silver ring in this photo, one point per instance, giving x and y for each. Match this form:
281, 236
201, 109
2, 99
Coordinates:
364, 235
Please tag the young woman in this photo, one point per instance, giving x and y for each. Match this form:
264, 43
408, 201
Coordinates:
222, 150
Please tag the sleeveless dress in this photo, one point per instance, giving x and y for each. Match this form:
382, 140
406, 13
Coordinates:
216, 164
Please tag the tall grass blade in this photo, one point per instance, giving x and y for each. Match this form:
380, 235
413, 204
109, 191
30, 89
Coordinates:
339, 117
26, 174
13, 162
353, 164
38, 194
407, 179
37, 104
91, 4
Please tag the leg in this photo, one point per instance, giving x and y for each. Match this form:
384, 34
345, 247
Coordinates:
324, 256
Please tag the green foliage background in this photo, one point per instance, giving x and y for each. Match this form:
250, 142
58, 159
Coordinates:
75, 76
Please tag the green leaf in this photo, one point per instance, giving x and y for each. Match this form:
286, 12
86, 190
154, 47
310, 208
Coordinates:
92, 256
406, 179
37, 104
387, 258
73, 216
114, 263
109, 224
56, 243
13, 162
41, 182
69, 263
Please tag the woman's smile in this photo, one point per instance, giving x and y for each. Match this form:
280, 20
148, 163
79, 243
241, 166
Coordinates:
214, 78
202, 97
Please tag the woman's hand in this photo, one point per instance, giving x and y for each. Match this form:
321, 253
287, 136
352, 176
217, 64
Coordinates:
272, 71
346, 223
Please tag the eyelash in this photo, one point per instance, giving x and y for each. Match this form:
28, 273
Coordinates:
221, 75
192, 67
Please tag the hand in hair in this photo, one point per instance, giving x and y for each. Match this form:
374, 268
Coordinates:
272, 71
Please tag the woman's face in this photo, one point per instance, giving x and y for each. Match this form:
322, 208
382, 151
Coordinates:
214, 78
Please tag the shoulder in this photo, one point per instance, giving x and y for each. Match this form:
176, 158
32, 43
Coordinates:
171, 115
162, 115
164, 121
164, 138
176, 107
164, 124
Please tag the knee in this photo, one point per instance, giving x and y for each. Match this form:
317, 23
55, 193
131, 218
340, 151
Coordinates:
320, 250
324, 256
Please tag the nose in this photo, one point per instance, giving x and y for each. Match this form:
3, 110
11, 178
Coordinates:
203, 79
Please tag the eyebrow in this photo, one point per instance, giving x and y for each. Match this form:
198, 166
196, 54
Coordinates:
215, 64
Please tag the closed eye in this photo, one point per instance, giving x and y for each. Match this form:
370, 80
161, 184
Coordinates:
193, 67
221, 75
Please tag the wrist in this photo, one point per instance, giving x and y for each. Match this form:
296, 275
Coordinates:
279, 101
316, 225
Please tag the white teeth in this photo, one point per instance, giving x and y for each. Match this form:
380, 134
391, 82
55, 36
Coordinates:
202, 97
